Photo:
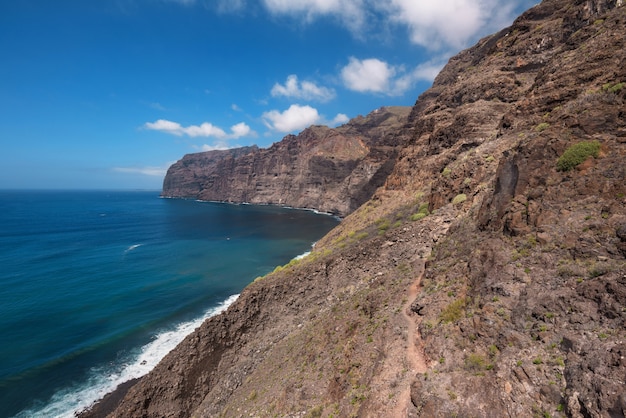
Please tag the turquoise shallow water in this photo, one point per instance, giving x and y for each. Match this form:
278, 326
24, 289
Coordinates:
96, 287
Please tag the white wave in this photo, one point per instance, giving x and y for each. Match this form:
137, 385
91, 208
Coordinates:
301, 256
66, 403
132, 247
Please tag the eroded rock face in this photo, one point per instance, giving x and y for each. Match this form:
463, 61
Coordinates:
521, 309
331, 170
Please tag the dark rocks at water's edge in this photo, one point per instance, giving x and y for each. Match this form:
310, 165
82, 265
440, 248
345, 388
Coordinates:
331, 170
107, 405
521, 307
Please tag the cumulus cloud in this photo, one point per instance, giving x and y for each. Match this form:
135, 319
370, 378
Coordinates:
369, 75
218, 145
427, 71
439, 25
293, 119
205, 129
340, 119
302, 90
375, 76
215, 147
352, 13
298, 117
446, 24
240, 130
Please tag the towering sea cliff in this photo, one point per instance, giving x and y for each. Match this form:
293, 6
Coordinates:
486, 277
332, 170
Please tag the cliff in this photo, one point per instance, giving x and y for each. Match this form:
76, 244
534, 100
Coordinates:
486, 277
332, 170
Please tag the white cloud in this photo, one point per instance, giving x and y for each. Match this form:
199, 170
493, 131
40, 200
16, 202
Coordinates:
165, 126
293, 119
297, 117
302, 90
427, 71
240, 130
369, 75
351, 13
436, 25
340, 119
219, 145
449, 24
375, 76
235, 107
205, 129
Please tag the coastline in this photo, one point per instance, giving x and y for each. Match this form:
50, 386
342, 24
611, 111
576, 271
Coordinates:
276, 205
150, 355
105, 405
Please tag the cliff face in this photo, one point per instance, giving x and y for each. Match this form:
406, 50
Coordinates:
332, 170
482, 279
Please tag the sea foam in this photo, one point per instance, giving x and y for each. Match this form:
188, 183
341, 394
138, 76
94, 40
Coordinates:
102, 380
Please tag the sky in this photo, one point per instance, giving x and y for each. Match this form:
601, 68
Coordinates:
108, 94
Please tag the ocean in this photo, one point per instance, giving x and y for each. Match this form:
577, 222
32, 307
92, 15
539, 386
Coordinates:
97, 286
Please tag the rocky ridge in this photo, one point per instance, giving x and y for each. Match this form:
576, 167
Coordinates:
331, 170
519, 268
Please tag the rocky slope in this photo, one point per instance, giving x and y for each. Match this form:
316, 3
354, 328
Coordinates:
332, 170
483, 279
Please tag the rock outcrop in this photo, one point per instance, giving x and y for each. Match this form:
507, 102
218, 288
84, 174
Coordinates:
480, 280
331, 170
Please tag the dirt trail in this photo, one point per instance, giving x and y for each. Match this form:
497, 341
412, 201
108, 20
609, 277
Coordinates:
415, 359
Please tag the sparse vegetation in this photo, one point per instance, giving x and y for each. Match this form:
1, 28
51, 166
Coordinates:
577, 154
613, 88
542, 127
453, 312
422, 212
476, 363
382, 225
458, 199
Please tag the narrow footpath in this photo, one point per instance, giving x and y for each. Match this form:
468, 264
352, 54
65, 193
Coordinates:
415, 358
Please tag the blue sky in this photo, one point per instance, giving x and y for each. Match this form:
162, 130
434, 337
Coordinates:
109, 93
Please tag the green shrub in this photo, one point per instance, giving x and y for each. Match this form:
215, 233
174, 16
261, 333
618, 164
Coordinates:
475, 362
613, 88
418, 216
361, 236
576, 154
446, 172
383, 224
422, 212
542, 127
460, 198
453, 312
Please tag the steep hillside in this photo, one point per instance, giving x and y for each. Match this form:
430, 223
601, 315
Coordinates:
332, 170
485, 278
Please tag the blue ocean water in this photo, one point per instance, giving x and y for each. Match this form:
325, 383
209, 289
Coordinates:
96, 287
